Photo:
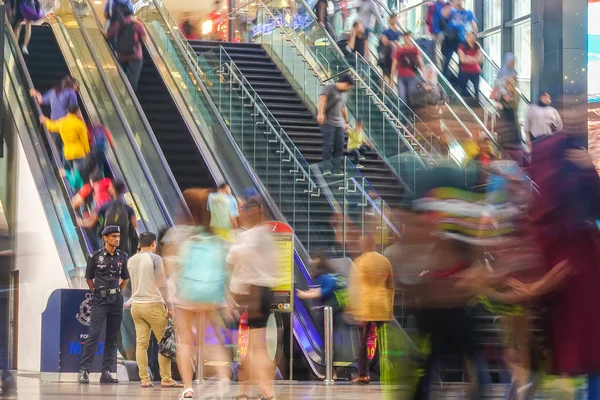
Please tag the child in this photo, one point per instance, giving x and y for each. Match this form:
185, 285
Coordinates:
332, 290
358, 144
224, 212
99, 186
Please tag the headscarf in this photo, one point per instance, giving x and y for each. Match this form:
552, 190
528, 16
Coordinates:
506, 71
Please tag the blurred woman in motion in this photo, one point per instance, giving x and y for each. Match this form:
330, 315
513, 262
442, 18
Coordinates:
371, 290
200, 277
564, 216
253, 261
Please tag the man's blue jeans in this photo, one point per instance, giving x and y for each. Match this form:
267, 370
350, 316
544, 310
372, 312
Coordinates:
333, 146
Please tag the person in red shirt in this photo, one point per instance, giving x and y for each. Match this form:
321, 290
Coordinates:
407, 60
129, 36
471, 57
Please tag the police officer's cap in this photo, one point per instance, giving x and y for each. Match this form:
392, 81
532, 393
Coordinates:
111, 229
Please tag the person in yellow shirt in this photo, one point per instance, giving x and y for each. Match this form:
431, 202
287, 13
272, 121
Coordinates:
74, 134
358, 144
371, 289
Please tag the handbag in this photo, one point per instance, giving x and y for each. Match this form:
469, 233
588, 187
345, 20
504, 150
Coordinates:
167, 346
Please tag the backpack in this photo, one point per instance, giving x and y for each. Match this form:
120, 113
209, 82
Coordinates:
31, 10
203, 274
341, 291
116, 214
127, 39
384, 54
98, 138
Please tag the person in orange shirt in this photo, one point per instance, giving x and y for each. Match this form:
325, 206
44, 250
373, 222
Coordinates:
74, 134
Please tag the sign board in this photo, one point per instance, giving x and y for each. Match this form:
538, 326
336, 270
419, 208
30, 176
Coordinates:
65, 323
284, 240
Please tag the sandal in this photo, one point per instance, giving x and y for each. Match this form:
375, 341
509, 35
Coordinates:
189, 391
147, 384
171, 384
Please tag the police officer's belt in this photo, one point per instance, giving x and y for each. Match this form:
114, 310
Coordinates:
104, 293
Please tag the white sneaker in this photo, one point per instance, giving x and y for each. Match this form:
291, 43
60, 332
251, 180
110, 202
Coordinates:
361, 158
24, 50
359, 166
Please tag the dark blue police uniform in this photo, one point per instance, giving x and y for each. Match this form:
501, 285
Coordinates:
107, 306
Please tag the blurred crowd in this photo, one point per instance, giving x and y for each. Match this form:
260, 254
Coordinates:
490, 241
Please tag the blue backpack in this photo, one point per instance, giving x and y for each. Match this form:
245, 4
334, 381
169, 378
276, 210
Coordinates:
203, 274
98, 138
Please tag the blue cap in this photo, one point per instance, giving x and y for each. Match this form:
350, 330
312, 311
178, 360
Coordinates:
111, 229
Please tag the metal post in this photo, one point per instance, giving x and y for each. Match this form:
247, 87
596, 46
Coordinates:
328, 345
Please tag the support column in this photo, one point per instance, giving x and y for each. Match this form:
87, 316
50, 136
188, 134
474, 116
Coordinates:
559, 51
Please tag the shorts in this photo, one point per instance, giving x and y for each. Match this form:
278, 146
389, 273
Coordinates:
258, 305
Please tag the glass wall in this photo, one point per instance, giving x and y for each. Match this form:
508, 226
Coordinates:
492, 45
522, 50
492, 17
506, 27
521, 8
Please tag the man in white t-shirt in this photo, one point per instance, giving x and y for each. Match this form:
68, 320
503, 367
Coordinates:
150, 307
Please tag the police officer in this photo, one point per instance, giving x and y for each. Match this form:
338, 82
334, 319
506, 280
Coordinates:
104, 270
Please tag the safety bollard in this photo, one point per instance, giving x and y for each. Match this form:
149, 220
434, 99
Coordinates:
328, 317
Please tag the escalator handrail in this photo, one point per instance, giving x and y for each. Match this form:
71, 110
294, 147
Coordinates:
122, 117
279, 132
47, 159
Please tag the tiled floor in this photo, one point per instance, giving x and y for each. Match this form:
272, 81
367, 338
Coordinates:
30, 388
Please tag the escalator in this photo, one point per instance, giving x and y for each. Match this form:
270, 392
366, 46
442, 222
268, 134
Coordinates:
294, 116
20, 119
171, 132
